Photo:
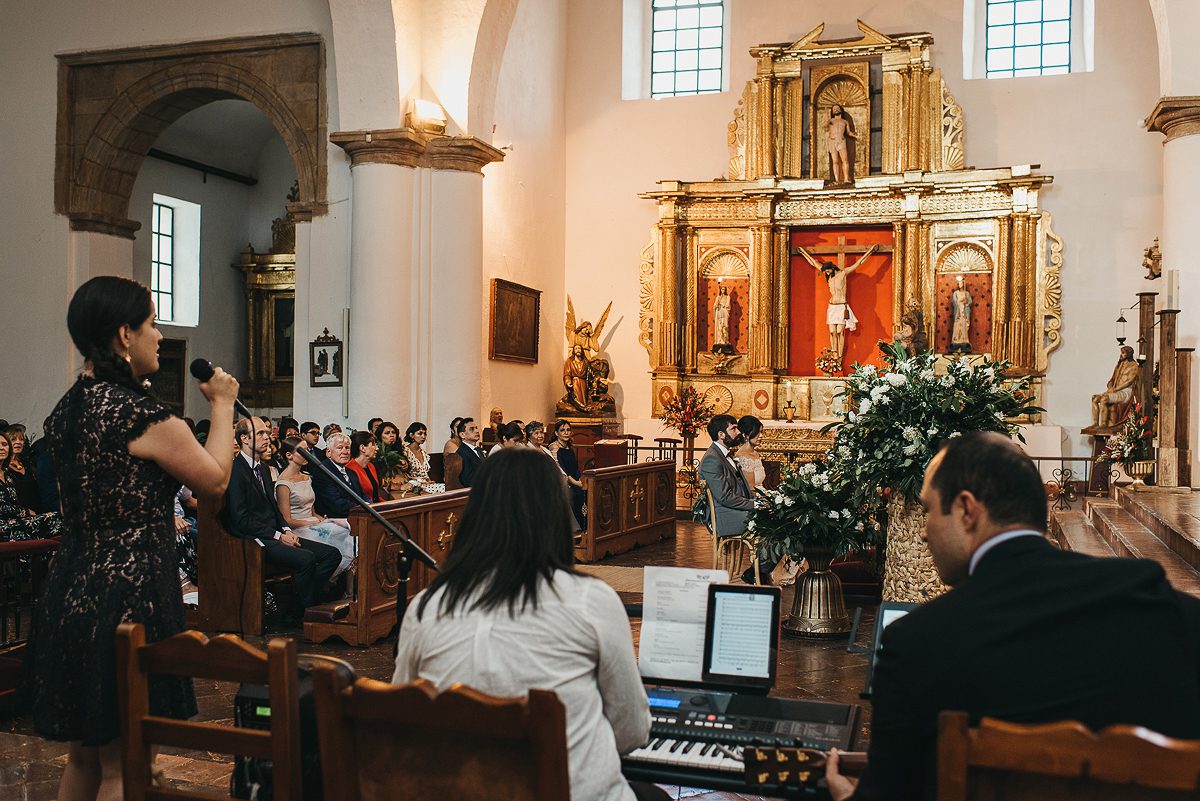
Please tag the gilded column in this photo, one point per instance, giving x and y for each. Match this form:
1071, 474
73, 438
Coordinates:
1000, 304
691, 280
782, 297
893, 106
899, 285
761, 274
764, 141
913, 259
912, 118
667, 335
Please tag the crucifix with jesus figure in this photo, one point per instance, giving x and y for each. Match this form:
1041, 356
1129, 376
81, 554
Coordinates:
839, 317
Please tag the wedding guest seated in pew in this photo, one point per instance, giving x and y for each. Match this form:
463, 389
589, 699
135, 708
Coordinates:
508, 613
1028, 634
468, 449
452, 444
418, 459
332, 500
17, 521
363, 448
389, 435
294, 495
564, 454
510, 435
20, 470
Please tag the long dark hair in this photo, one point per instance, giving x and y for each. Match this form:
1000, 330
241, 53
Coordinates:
97, 311
515, 531
358, 441
413, 428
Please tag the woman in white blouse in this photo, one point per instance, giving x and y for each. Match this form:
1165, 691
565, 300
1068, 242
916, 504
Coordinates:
508, 613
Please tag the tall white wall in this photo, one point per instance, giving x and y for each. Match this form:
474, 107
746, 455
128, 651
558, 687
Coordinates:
36, 251
1081, 128
524, 206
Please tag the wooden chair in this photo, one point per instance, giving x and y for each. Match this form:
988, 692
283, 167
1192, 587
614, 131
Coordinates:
633, 442
224, 658
452, 471
729, 550
1001, 761
381, 742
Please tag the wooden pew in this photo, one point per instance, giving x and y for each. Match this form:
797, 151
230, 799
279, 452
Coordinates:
628, 505
430, 521
230, 573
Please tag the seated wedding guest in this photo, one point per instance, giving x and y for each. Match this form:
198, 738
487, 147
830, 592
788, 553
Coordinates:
490, 435
46, 473
452, 444
252, 513
17, 521
332, 500
564, 454
508, 612
328, 431
389, 435
186, 529
363, 448
1028, 634
535, 437
288, 427
310, 432
418, 460
510, 435
20, 469
472, 455
295, 497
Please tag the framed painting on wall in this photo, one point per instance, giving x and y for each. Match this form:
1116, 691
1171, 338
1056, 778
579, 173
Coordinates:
514, 322
327, 361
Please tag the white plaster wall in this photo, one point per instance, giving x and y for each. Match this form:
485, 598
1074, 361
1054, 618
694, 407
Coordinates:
524, 205
1082, 128
267, 199
36, 254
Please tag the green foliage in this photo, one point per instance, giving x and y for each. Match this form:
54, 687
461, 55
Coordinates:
390, 461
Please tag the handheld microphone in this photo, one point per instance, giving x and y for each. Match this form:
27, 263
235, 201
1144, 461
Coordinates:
202, 370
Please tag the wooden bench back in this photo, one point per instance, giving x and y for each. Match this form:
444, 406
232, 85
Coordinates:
381, 742
452, 471
229, 572
223, 658
1061, 762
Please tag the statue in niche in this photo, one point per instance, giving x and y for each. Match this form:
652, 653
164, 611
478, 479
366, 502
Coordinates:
585, 375
910, 334
960, 311
840, 128
838, 316
1109, 407
722, 305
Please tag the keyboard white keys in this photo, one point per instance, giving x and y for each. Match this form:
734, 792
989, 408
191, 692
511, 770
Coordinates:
689, 754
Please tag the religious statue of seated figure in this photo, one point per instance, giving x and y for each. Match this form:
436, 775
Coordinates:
1109, 406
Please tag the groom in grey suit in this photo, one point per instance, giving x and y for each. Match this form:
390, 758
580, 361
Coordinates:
732, 499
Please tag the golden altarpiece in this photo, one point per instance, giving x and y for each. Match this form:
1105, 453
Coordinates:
924, 221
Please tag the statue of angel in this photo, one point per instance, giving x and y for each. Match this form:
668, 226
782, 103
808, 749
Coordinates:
583, 334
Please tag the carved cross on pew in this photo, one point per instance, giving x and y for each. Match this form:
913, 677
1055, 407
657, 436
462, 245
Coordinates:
636, 495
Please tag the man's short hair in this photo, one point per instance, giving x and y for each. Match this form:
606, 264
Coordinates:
329, 429
336, 436
719, 423
244, 428
462, 425
308, 426
998, 473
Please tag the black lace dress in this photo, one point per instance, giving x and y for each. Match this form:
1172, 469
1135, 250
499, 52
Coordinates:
117, 562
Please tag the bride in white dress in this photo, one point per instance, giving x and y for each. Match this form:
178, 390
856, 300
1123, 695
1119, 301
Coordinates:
755, 472
294, 495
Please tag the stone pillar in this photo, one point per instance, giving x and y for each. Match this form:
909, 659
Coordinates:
1178, 119
416, 284
1183, 414
1167, 472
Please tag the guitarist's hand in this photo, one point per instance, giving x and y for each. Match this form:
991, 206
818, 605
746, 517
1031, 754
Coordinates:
840, 787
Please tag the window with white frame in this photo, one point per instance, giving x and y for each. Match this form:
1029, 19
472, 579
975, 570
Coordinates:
175, 260
1021, 38
686, 47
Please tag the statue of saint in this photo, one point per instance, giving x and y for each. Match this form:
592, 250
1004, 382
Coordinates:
575, 379
910, 334
838, 317
841, 129
585, 375
960, 316
720, 312
583, 334
1109, 407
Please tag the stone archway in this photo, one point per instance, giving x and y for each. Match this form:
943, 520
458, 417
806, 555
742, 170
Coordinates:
113, 105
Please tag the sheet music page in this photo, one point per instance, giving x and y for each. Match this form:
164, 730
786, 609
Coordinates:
674, 607
742, 634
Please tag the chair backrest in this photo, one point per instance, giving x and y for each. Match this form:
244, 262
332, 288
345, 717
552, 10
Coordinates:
712, 512
1061, 761
452, 471
232, 571
381, 742
224, 658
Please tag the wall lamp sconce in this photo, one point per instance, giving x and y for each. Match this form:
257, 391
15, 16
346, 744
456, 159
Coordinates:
427, 116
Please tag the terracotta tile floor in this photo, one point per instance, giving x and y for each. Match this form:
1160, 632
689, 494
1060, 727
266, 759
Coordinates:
30, 767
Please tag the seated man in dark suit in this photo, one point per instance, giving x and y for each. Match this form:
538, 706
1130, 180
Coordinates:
1029, 634
470, 452
732, 499
332, 500
251, 512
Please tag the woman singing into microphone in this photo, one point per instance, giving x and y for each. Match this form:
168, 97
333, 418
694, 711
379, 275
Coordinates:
121, 457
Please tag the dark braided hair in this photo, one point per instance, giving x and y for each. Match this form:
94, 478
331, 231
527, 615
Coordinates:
97, 312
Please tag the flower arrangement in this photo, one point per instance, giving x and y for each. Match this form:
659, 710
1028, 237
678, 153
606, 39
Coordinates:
829, 362
687, 412
1134, 442
814, 509
895, 417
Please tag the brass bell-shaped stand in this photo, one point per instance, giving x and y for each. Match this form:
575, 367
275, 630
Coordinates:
818, 610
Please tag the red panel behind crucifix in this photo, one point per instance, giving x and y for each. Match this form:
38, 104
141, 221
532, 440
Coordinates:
868, 291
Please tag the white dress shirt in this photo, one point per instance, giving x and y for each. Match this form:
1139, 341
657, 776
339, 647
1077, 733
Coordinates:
996, 540
576, 643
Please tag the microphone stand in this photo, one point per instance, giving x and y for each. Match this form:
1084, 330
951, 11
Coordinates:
408, 549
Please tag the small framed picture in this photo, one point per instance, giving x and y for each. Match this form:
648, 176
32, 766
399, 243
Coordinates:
327, 361
515, 315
